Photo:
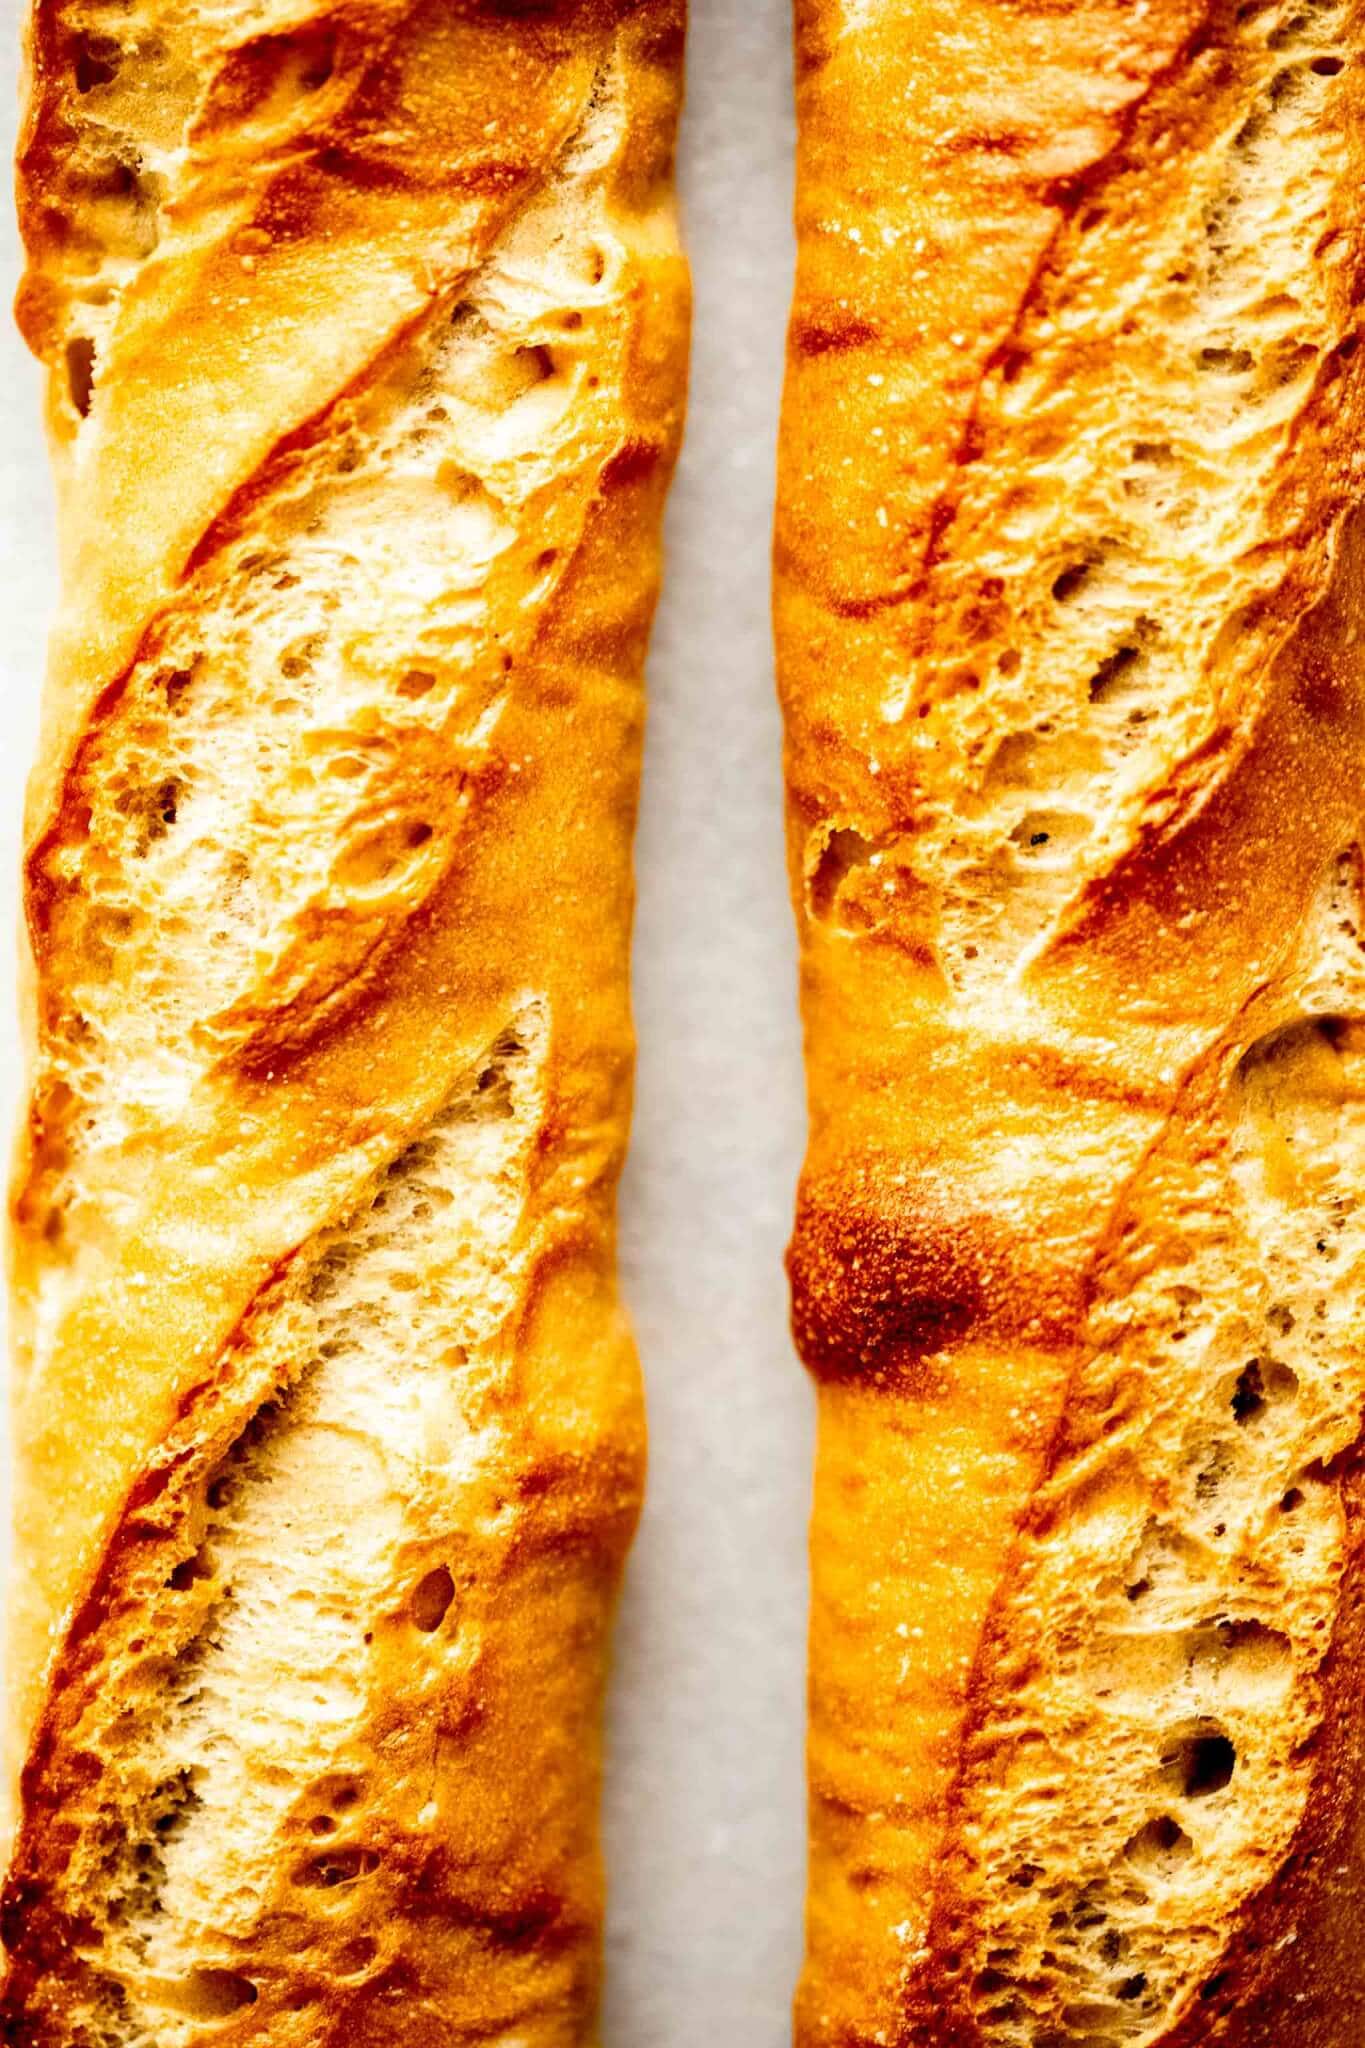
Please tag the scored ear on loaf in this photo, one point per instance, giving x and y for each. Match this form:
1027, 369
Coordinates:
1068, 601
365, 331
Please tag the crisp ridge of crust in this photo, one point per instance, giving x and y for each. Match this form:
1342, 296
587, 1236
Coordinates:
1068, 628
366, 331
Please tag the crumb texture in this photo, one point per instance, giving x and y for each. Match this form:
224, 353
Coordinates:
1186, 1551
364, 328
1068, 632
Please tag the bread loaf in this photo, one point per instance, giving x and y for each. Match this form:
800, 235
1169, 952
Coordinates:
1068, 602
365, 326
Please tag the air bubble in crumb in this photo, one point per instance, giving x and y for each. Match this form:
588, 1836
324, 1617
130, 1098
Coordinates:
80, 372
212, 1994
430, 1599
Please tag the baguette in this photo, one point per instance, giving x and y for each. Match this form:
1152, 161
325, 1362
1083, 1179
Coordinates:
1068, 609
365, 328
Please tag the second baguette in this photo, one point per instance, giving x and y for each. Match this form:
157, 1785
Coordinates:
1068, 601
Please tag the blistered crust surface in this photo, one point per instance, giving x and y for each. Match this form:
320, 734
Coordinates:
1067, 606
365, 328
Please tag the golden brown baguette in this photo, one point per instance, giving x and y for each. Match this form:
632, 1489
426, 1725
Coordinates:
365, 326
1068, 602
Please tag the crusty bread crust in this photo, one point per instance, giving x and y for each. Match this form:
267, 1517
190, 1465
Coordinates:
1067, 597
366, 329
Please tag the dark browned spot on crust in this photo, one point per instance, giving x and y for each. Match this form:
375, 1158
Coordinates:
830, 335
888, 1268
816, 38
880, 1280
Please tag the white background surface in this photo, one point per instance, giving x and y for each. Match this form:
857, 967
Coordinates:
704, 1810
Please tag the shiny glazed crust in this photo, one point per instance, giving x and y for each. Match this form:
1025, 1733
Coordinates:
1068, 607
366, 330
